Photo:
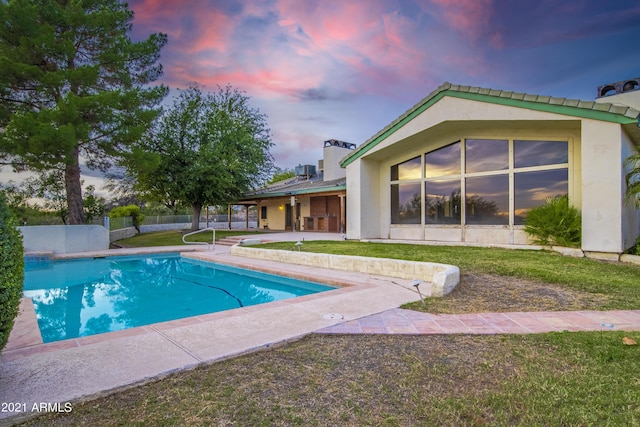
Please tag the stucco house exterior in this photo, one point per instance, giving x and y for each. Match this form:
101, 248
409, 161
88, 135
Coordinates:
313, 200
465, 164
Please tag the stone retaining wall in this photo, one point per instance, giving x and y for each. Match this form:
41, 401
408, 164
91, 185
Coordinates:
443, 277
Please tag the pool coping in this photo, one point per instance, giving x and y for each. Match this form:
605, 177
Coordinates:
53, 372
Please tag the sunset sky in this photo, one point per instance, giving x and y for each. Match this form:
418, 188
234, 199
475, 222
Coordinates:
344, 69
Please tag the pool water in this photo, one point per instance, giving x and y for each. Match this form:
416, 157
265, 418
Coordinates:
79, 297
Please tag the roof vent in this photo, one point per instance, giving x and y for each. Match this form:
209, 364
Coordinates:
305, 171
341, 144
630, 85
618, 87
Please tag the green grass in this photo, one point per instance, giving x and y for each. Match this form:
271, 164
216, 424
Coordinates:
174, 237
556, 379
619, 281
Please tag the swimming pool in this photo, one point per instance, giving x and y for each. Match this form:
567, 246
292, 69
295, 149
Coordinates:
80, 297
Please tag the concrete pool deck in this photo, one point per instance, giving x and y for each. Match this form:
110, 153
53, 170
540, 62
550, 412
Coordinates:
69, 370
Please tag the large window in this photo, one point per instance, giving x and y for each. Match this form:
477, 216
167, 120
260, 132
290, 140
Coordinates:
487, 200
500, 180
443, 161
539, 153
442, 202
483, 155
405, 203
534, 188
406, 170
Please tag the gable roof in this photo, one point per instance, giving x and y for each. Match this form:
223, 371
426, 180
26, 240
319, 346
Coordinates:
295, 186
572, 107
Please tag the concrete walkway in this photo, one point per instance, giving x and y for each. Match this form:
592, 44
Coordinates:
76, 369
399, 321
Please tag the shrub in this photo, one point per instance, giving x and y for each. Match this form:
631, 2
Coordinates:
635, 249
11, 270
555, 223
131, 210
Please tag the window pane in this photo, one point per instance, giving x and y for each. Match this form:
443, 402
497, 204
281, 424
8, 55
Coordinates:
486, 155
406, 170
443, 161
487, 200
538, 153
405, 203
534, 188
442, 202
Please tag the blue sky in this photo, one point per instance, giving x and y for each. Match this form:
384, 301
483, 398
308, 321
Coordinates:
344, 69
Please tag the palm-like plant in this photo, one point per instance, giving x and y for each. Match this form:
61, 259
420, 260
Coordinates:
632, 164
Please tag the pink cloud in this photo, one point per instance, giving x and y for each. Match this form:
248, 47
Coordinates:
299, 47
469, 17
189, 32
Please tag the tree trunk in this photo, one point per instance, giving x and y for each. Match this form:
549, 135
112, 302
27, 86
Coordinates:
195, 221
74, 189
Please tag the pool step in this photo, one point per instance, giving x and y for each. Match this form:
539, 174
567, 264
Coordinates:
232, 240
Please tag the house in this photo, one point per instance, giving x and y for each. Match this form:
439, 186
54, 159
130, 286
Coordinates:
502, 153
313, 200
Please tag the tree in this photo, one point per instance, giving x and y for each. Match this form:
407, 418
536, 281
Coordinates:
132, 211
73, 85
206, 149
633, 179
49, 187
94, 206
281, 175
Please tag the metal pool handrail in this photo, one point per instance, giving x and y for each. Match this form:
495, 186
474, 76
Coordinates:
213, 243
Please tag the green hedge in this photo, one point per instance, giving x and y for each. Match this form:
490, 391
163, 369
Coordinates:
11, 270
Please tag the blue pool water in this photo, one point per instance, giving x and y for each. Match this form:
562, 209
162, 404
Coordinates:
79, 297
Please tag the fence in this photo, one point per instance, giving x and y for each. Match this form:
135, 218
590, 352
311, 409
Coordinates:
165, 222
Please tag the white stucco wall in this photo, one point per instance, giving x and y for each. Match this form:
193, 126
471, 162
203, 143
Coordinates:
331, 161
601, 187
630, 213
631, 99
63, 239
363, 200
275, 214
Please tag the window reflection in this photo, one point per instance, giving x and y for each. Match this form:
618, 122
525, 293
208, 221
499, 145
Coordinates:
443, 161
486, 155
534, 188
538, 153
487, 200
405, 203
406, 170
442, 202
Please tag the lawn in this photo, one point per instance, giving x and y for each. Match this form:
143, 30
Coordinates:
618, 284
564, 379
174, 237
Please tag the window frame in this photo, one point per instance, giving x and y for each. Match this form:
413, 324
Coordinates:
510, 171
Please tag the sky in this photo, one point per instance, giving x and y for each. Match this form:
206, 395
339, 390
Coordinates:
344, 69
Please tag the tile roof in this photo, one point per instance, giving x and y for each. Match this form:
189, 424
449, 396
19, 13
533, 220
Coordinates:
552, 100
573, 107
295, 186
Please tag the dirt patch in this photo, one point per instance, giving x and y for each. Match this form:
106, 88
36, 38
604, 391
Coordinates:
493, 293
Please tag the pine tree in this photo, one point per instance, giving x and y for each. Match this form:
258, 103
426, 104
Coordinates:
73, 87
